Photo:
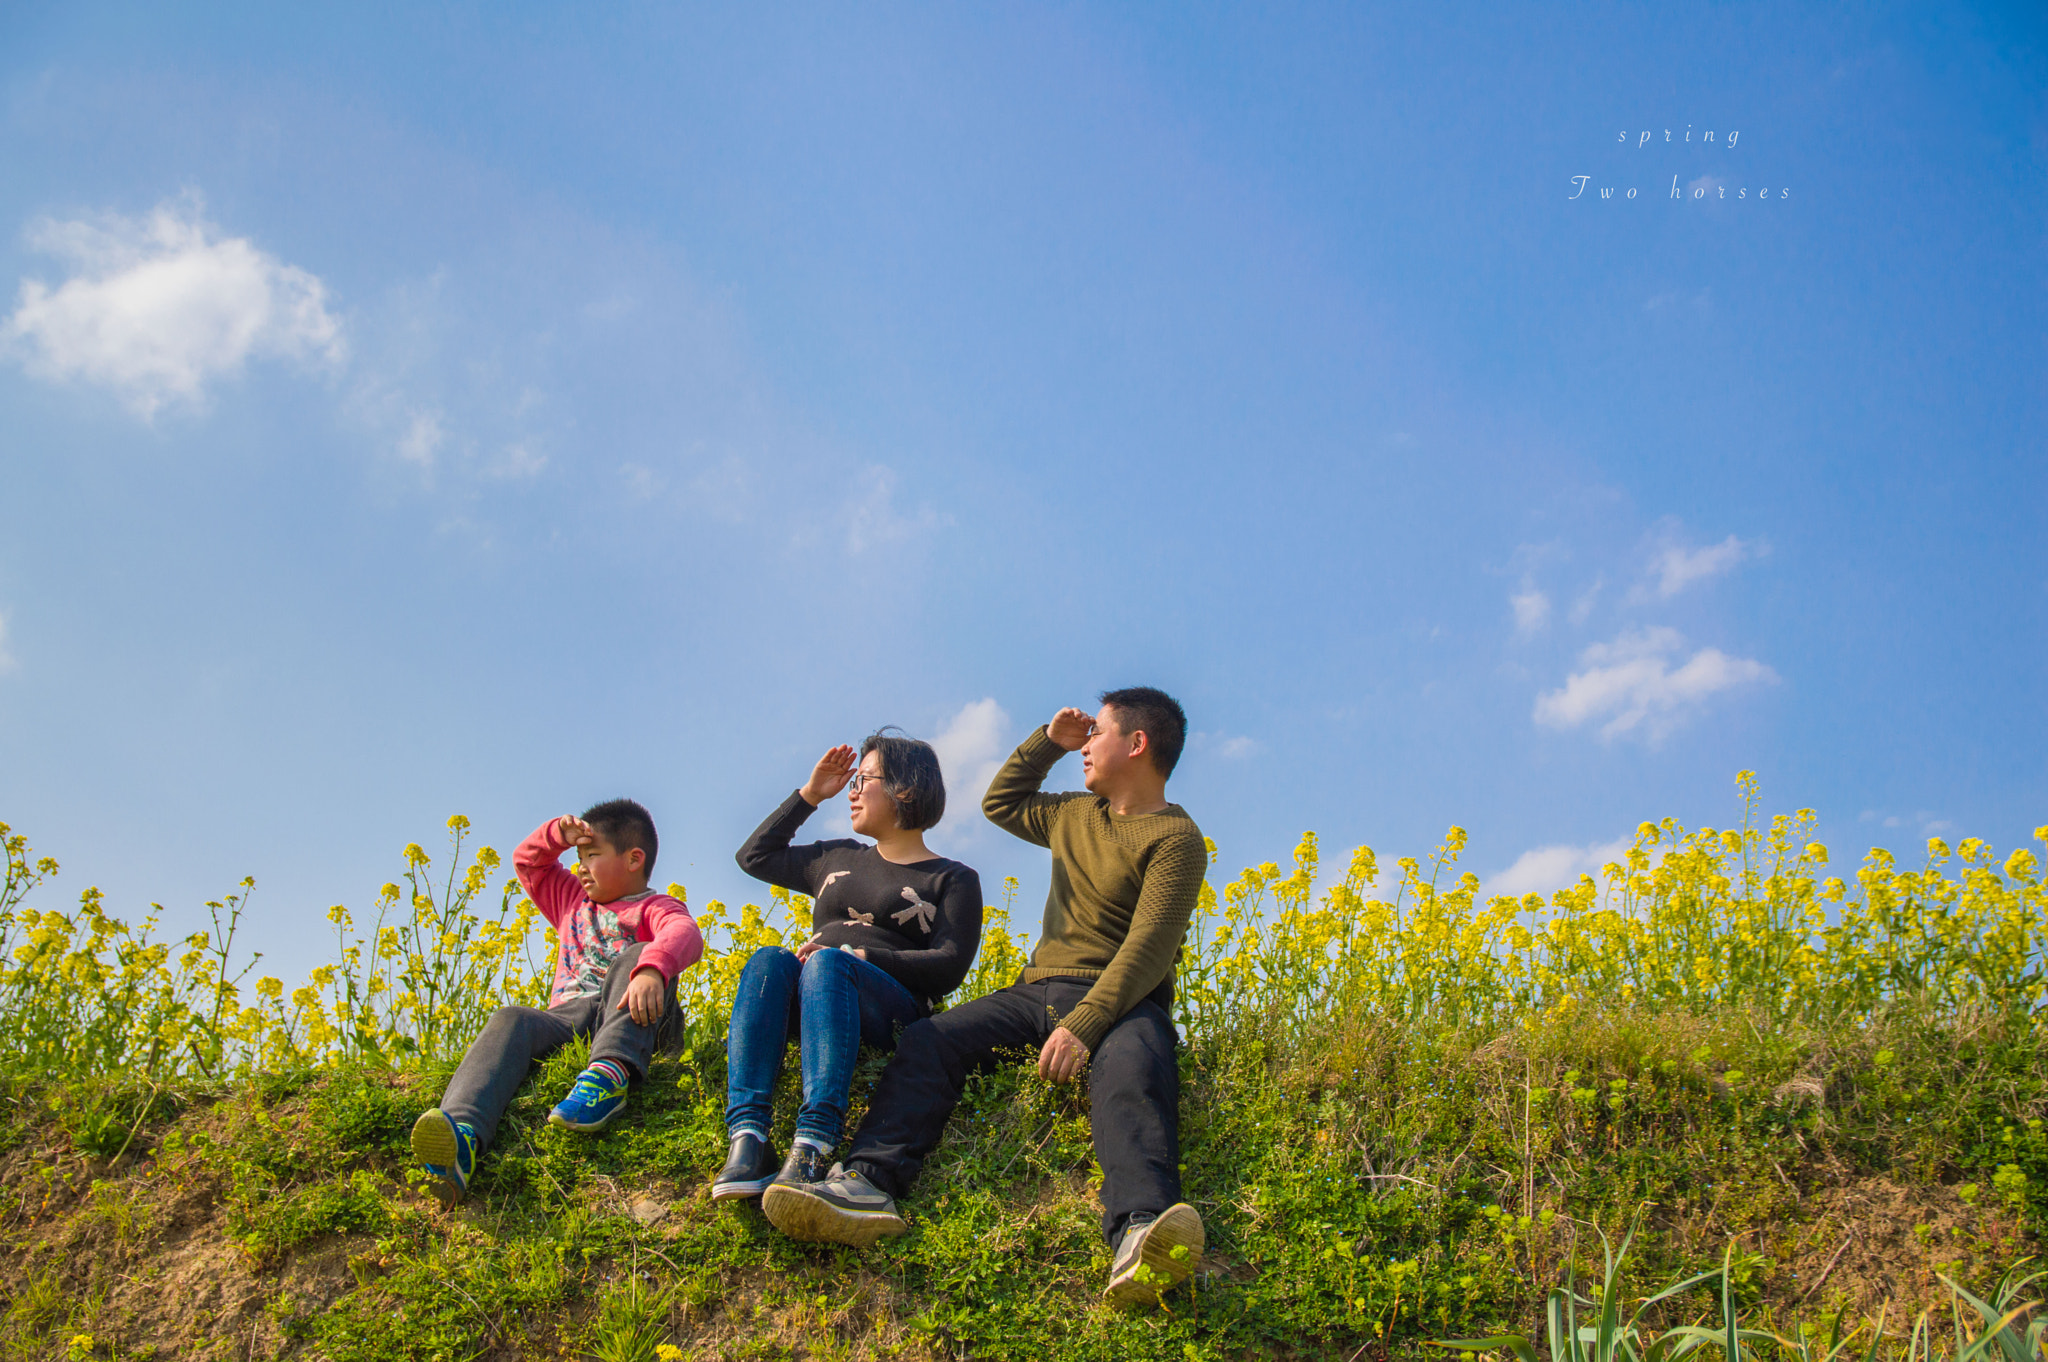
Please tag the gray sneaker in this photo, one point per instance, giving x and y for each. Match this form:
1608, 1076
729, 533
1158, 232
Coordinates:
843, 1209
1157, 1254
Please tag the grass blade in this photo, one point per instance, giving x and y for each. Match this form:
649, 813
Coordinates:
1514, 1343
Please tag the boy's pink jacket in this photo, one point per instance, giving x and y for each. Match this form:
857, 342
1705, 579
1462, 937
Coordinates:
673, 941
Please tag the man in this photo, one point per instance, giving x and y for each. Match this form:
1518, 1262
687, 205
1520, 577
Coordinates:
1127, 868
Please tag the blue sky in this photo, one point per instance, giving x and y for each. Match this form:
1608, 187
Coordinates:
501, 409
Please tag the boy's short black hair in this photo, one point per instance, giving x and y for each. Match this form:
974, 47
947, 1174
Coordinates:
1151, 711
910, 773
625, 825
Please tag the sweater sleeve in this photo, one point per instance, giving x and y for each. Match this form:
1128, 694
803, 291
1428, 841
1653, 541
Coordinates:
673, 941
538, 864
1013, 802
767, 855
1166, 903
956, 937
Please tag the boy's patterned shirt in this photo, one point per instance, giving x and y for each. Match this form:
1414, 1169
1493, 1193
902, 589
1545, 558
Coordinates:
592, 939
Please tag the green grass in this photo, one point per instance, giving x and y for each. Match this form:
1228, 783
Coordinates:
1366, 1188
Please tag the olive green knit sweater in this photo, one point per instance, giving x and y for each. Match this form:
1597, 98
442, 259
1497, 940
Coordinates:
1123, 888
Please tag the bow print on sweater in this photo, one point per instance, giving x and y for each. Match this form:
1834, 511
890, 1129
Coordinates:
919, 909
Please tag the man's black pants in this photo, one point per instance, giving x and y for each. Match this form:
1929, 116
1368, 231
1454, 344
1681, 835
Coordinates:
1133, 1089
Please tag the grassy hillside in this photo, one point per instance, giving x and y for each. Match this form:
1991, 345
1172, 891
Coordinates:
1392, 1137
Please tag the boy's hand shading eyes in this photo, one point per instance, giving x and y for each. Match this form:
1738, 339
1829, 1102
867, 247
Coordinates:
830, 775
646, 998
1069, 728
575, 831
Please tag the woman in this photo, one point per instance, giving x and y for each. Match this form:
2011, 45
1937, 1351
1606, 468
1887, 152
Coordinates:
894, 929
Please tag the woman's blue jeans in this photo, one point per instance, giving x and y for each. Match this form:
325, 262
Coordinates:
833, 1002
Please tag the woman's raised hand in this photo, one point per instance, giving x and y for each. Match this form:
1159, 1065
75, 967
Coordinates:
829, 776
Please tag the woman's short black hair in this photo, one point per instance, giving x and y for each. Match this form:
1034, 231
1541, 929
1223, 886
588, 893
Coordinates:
910, 773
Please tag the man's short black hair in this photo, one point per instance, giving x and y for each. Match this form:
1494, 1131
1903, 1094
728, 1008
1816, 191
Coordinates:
625, 825
910, 773
1151, 711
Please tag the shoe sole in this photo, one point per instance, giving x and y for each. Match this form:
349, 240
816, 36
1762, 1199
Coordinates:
740, 1191
1178, 1227
802, 1214
433, 1141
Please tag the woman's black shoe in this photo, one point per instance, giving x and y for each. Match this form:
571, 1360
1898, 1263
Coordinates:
748, 1169
804, 1164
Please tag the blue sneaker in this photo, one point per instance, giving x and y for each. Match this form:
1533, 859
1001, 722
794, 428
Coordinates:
447, 1151
592, 1103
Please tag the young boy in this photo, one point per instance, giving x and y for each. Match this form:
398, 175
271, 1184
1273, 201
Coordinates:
622, 946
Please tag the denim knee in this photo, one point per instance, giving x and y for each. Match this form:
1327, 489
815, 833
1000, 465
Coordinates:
777, 958
827, 964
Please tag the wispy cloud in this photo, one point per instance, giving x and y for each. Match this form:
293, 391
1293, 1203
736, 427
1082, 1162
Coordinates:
157, 307
1532, 609
1674, 567
422, 439
971, 747
874, 518
1230, 747
1543, 869
1582, 607
6, 658
1925, 821
1633, 685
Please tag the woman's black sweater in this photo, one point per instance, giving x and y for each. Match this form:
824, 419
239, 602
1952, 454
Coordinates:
921, 923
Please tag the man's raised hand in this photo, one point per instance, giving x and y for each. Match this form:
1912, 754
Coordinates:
1069, 728
829, 776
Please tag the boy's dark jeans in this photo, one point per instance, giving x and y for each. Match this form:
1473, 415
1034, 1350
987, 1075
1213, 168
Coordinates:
1133, 1089
515, 1037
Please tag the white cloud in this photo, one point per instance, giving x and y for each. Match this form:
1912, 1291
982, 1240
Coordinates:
1238, 748
6, 658
519, 460
1632, 684
1532, 609
157, 306
1676, 567
422, 439
1583, 606
1543, 869
1930, 824
873, 520
971, 747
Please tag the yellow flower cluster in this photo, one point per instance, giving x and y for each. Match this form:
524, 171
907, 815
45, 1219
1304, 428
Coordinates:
85, 991
1692, 919
1686, 918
